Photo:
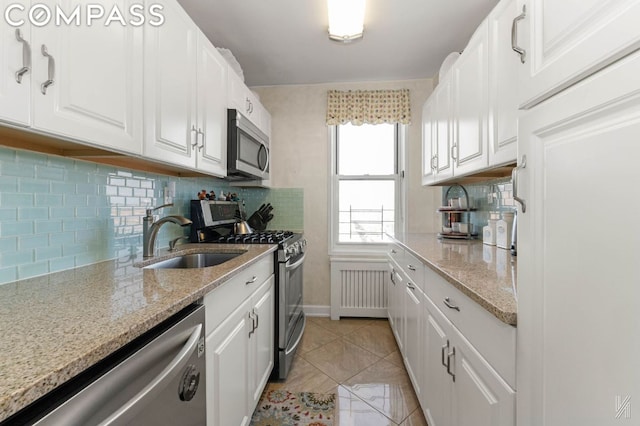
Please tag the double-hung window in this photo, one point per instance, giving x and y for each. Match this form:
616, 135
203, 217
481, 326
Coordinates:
366, 185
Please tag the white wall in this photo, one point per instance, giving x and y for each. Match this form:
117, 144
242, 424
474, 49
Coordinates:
299, 142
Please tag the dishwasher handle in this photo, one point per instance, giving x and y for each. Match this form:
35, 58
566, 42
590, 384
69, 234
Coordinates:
151, 390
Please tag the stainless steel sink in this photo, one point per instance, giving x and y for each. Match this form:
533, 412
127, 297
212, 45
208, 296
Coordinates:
194, 260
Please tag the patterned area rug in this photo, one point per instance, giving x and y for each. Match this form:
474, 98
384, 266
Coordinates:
283, 408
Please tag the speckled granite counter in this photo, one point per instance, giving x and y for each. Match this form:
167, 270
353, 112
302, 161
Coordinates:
485, 273
55, 326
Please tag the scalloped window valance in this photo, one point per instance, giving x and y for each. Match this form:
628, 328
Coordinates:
368, 107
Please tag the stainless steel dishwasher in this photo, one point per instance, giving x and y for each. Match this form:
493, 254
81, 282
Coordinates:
159, 379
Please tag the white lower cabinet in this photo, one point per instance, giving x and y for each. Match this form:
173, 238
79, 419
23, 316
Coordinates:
239, 346
436, 394
455, 383
261, 349
228, 370
413, 330
460, 387
480, 396
396, 304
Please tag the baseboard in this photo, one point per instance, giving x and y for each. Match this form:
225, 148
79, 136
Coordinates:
317, 310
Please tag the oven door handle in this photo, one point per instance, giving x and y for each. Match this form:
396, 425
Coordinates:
295, 345
295, 265
150, 391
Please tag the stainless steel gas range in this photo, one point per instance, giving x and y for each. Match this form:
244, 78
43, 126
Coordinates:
213, 223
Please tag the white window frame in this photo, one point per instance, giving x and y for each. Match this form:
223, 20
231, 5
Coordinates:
348, 248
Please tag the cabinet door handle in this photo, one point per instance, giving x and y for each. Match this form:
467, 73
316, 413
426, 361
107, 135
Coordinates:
453, 152
194, 130
257, 319
514, 34
442, 353
434, 162
51, 70
252, 280
514, 179
392, 280
393, 251
253, 324
411, 286
26, 57
201, 133
411, 267
449, 356
450, 305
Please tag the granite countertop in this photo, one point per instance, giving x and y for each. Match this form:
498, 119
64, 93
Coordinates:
486, 274
55, 326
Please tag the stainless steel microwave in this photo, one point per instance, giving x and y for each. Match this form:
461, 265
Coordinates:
247, 149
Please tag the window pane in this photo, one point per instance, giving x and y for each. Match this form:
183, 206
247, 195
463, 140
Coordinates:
366, 150
367, 210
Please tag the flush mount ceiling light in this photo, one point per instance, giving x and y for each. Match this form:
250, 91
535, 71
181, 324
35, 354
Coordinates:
346, 20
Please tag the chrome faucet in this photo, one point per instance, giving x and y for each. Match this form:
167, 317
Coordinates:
150, 228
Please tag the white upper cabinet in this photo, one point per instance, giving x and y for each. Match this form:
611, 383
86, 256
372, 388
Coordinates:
86, 82
15, 48
469, 122
470, 87
566, 41
212, 109
185, 95
578, 294
95, 76
428, 139
245, 101
503, 85
170, 88
442, 118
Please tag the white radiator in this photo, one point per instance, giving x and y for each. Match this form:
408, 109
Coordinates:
359, 288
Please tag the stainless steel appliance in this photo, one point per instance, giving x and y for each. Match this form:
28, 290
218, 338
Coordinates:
288, 267
290, 319
158, 379
247, 149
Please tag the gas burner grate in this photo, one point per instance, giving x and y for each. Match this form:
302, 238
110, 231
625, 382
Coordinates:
263, 237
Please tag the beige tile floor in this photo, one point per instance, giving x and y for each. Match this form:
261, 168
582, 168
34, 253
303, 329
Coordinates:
358, 360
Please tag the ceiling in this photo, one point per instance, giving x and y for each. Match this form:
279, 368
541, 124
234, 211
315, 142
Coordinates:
285, 41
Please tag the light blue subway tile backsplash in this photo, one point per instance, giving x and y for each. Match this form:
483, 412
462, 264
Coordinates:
33, 269
50, 173
58, 213
495, 195
9, 228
